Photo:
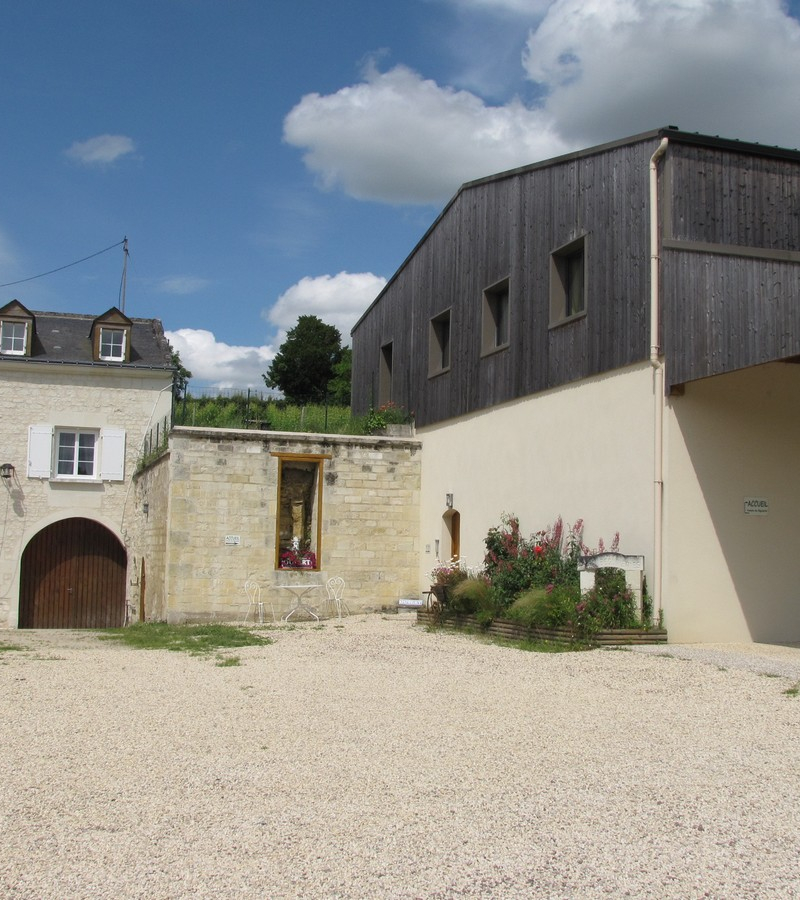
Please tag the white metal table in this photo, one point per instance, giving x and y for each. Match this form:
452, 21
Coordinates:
300, 591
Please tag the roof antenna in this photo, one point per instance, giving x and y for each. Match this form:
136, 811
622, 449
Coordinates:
124, 284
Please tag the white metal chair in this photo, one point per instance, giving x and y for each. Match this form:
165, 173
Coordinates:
255, 603
335, 588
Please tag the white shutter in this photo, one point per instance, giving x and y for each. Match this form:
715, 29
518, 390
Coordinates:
40, 451
112, 454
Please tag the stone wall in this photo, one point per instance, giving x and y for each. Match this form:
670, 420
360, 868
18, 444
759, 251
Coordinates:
222, 508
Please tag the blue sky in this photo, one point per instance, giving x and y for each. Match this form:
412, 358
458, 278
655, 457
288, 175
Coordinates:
271, 158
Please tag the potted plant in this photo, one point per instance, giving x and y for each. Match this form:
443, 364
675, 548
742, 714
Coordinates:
444, 577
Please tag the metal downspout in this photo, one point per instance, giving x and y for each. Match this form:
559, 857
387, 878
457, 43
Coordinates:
657, 363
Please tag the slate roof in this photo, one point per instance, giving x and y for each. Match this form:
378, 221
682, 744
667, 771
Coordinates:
65, 338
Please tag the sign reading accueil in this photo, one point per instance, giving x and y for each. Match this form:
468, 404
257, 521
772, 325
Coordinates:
756, 506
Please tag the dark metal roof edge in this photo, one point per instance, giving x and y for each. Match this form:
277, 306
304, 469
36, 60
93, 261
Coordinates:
32, 360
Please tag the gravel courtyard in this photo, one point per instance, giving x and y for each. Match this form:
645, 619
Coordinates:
376, 759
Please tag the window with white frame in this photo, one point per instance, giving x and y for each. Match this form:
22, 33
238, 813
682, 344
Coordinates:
76, 454
13, 337
112, 344
82, 454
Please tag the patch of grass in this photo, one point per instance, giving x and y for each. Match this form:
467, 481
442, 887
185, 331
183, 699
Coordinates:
793, 691
194, 639
223, 662
539, 646
6, 647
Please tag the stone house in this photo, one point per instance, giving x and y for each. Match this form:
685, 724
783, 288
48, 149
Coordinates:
79, 395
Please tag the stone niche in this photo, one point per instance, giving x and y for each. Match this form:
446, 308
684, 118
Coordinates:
632, 566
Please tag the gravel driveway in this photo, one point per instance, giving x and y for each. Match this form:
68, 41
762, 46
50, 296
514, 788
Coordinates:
377, 759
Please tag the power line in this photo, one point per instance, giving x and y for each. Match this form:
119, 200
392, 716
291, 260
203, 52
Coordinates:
67, 266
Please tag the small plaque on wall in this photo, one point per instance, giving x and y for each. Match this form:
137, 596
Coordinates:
756, 506
232, 539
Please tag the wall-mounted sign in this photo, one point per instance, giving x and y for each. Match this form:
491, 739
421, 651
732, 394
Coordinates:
232, 539
756, 506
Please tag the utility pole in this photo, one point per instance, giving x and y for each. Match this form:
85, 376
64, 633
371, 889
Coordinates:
124, 284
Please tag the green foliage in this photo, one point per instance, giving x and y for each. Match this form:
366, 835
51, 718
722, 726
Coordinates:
609, 604
304, 365
470, 595
194, 639
515, 563
647, 606
537, 581
545, 608
180, 377
339, 389
388, 414
243, 411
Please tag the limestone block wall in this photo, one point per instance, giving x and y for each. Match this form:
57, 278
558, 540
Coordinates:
79, 397
149, 540
222, 513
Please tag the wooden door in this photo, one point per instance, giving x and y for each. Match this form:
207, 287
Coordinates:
73, 576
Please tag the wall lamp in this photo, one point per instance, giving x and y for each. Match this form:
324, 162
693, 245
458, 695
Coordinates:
448, 501
6, 470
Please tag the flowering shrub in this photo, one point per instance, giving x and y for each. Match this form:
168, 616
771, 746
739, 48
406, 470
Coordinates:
449, 573
515, 563
388, 414
609, 604
535, 580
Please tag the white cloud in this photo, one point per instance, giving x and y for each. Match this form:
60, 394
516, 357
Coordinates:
614, 67
338, 300
101, 150
603, 69
400, 138
215, 363
182, 285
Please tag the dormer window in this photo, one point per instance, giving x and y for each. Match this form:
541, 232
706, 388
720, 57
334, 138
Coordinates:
17, 329
111, 337
112, 344
13, 337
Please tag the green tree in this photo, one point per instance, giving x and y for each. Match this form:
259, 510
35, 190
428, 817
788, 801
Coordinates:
180, 376
339, 388
303, 366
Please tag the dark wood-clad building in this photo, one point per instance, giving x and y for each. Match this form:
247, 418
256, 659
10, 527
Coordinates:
612, 335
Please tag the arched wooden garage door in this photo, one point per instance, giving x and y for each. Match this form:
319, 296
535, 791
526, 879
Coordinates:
73, 576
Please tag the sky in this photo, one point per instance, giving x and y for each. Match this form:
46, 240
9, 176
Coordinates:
268, 159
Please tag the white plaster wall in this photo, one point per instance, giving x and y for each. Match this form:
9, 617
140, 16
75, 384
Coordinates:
730, 576
82, 397
584, 450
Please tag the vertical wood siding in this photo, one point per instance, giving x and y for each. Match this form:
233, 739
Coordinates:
720, 311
